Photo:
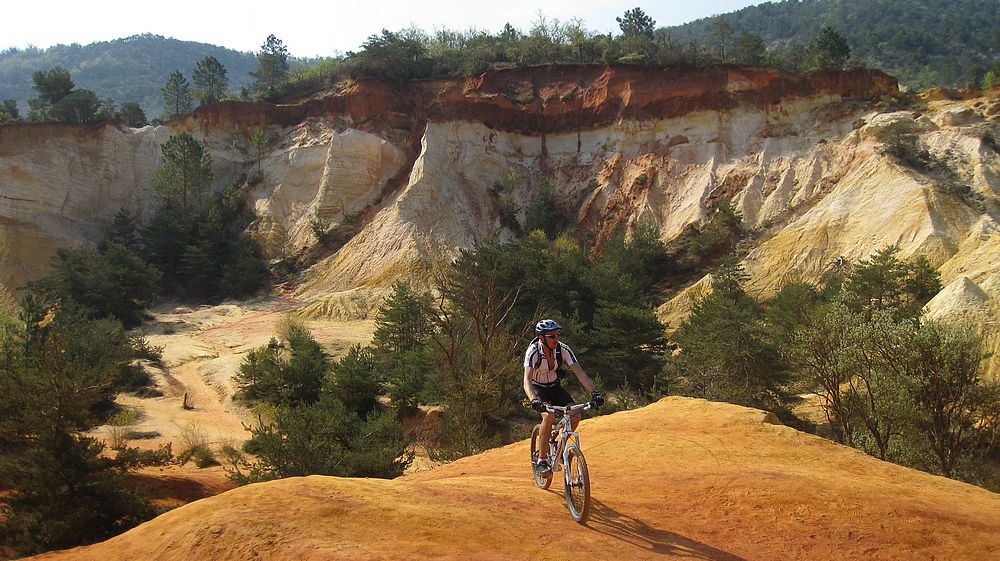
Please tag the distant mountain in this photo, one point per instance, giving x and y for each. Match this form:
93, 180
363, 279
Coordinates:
129, 69
922, 42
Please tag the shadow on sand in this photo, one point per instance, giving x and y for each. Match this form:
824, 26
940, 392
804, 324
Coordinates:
631, 530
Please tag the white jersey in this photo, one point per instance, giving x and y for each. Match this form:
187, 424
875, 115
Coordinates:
535, 360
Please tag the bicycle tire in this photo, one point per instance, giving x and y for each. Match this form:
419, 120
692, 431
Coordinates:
577, 485
541, 481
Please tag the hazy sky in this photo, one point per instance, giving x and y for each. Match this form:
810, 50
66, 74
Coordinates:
312, 27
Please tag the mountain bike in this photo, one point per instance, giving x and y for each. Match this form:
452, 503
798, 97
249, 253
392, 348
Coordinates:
565, 455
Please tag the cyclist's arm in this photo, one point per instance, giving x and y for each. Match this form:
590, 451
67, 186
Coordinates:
585, 380
527, 383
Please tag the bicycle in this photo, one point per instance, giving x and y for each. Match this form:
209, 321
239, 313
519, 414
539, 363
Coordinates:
565, 455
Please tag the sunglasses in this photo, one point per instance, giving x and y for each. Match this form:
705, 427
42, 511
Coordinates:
556, 336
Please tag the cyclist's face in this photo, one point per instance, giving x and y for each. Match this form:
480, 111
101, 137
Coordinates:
551, 339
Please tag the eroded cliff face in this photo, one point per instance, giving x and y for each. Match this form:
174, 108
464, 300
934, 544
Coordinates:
412, 168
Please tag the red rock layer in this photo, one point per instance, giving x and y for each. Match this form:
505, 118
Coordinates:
557, 98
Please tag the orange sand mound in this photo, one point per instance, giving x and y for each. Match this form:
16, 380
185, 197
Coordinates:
680, 479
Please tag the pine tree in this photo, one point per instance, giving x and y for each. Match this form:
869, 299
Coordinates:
176, 96
272, 67
210, 80
829, 50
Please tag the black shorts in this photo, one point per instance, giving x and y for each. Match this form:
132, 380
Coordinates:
553, 395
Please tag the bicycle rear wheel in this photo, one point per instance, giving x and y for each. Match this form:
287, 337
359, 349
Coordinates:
541, 481
577, 485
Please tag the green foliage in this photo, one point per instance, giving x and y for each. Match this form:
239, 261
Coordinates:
829, 50
9, 111
949, 394
402, 339
60, 370
272, 375
131, 114
635, 22
750, 49
503, 189
715, 238
79, 106
259, 142
59, 100
544, 213
272, 67
727, 351
111, 282
323, 438
355, 381
204, 255
210, 81
395, 56
721, 38
52, 85
885, 283
177, 98
185, 172
899, 389
627, 346
131, 69
925, 44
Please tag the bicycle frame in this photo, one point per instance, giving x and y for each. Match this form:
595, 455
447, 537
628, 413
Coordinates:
568, 438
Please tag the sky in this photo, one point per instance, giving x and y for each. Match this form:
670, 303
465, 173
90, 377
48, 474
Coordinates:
310, 28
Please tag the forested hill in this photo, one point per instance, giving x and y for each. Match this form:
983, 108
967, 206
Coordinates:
129, 69
924, 43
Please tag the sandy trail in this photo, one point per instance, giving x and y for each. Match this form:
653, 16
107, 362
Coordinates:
202, 351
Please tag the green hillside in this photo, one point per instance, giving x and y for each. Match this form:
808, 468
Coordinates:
129, 69
924, 43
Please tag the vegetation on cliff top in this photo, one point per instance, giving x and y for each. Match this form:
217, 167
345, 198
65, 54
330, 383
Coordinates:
924, 44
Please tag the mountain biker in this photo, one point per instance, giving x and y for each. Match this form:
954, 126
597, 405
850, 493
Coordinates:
542, 370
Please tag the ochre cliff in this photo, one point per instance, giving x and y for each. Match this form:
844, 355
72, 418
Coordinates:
413, 167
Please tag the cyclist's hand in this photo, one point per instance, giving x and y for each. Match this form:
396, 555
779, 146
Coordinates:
597, 398
537, 405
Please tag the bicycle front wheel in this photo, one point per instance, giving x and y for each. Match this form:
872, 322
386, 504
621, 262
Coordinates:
577, 485
541, 481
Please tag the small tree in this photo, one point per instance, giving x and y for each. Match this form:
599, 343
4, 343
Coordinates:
948, 390
750, 49
722, 37
637, 35
79, 106
726, 351
210, 81
177, 98
635, 23
131, 114
829, 50
259, 141
272, 67
52, 85
185, 172
9, 111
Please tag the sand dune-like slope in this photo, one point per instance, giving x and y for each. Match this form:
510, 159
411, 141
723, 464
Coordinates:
680, 479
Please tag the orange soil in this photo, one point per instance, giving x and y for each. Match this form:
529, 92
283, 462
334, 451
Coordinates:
679, 479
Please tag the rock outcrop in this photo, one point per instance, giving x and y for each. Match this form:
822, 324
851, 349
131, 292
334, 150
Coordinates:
411, 169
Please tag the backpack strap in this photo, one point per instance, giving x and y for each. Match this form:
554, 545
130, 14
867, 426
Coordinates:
541, 356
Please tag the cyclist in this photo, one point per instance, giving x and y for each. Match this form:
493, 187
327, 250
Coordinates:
542, 371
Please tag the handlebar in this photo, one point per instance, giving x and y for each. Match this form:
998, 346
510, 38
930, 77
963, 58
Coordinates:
571, 409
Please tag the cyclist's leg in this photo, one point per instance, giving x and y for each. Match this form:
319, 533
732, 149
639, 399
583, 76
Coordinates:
543, 435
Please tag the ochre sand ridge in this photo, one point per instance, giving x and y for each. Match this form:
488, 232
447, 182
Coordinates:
679, 479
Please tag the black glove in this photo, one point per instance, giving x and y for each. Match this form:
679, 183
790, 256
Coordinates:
596, 398
537, 405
